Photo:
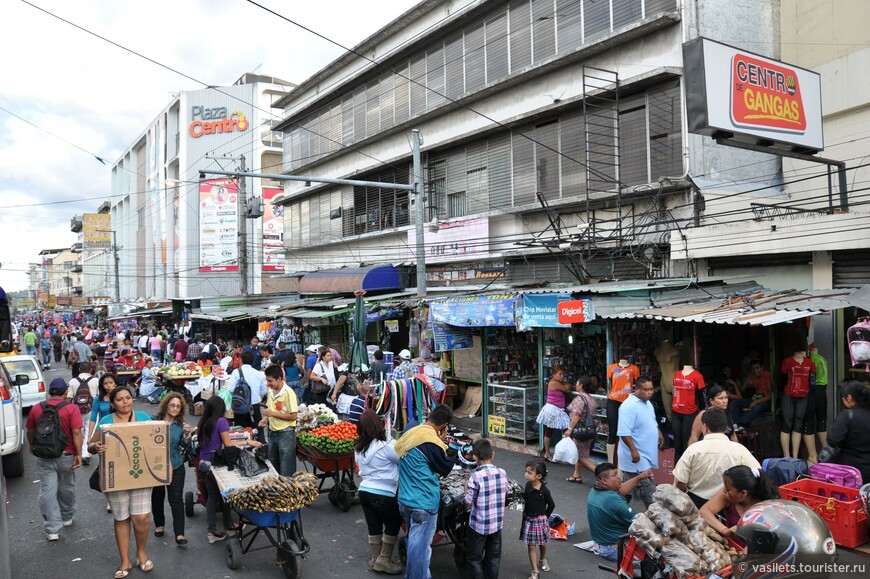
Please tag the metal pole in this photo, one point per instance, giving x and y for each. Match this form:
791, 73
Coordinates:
117, 278
243, 229
420, 214
844, 188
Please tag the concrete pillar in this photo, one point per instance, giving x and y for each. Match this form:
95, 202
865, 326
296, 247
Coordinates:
823, 270
825, 325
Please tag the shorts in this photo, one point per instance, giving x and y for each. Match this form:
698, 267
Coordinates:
644, 489
126, 503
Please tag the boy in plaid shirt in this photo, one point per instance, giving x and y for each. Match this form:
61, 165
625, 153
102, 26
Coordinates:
486, 494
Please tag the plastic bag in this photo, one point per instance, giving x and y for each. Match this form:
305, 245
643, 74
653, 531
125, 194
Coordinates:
669, 523
676, 501
565, 451
647, 534
684, 562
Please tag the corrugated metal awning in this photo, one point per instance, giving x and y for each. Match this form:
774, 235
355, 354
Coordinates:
312, 314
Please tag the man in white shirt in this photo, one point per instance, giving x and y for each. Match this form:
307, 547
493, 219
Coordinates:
256, 380
699, 470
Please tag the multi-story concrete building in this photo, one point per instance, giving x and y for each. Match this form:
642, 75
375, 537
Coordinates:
176, 237
554, 141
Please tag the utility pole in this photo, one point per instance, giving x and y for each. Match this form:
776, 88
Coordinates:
420, 213
243, 228
117, 260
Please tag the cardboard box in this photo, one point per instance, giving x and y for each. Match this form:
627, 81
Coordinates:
136, 457
452, 389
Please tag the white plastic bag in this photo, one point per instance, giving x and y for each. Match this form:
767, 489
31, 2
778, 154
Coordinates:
566, 451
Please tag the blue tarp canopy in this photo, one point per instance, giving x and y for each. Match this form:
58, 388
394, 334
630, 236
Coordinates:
350, 280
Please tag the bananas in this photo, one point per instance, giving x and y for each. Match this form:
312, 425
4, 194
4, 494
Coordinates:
276, 493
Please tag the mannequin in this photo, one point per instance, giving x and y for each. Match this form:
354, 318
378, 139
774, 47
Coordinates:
688, 384
622, 375
799, 372
668, 357
816, 420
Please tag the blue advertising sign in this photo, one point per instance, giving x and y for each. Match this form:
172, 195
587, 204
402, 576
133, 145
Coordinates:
475, 311
383, 314
448, 338
541, 311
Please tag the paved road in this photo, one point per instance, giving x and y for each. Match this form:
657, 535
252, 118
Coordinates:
338, 540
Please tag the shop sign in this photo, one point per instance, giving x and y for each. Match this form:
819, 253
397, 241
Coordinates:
383, 314
456, 240
392, 326
218, 225
213, 121
448, 338
497, 425
576, 312
751, 97
475, 311
540, 311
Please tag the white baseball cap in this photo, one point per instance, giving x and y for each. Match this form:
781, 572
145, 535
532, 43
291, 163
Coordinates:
313, 348
405, 354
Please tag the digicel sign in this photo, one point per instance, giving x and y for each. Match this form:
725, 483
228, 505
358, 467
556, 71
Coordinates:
766, 95
211, 121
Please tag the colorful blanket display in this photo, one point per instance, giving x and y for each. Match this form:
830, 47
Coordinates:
404, 403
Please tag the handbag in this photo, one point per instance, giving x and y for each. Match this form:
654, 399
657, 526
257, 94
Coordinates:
94, 480
587, 430
250, 465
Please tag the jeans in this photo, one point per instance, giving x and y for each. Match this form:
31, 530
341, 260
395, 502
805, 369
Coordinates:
176, 502
211, 504
483, 553
297, 387
31, 350
86, 421
282, 450
421, 530
46, 356
381, 512
57, 491
745, 419
609, 552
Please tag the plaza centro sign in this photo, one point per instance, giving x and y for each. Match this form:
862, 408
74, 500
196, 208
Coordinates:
213, 121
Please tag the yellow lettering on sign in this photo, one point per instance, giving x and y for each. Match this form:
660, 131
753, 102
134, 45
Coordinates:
496, 425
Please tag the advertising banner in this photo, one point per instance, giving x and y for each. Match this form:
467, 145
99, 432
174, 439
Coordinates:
576, 312
273, 231
448, 338
540, 311
475, 311
96, 231
218, 225
467, 239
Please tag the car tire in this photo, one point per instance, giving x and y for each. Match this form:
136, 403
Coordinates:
13, 465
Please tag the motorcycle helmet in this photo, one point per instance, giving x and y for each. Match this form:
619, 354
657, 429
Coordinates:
785, 533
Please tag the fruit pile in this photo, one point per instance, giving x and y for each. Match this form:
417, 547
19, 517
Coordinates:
183, 370
333, 439
277, 493
310, 417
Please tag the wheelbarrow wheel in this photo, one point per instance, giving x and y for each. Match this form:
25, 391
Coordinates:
343, 499
290, 564
188, 503
333, 499
233, 553
403, 550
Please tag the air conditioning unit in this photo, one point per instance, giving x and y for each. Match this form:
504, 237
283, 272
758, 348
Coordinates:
335, 213
255, 208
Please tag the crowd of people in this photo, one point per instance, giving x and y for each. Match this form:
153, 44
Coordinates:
399, 478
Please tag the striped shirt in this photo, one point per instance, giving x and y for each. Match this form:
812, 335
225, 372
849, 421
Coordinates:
487, 492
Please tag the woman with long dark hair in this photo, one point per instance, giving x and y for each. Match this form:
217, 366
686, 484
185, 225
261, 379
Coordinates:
214, 434
553, 416
171, 410
850, 432
379, 467
744, 487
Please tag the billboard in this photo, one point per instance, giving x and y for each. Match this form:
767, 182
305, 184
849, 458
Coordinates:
96, 231
273, 231
453, 241
750, 98
218, 225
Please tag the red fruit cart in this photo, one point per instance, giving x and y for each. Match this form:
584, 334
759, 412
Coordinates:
338, 467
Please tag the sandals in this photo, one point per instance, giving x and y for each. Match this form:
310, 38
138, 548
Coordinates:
544, 565
147, 566
159, 533
575, 479
215, 537
121, 573
535, 575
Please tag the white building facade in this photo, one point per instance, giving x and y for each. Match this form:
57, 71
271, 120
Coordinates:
174, 240
554, 141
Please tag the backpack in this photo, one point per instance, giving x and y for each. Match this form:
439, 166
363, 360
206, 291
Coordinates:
784, 470
83, 398
49, 440
100, 369
838, 474
241, 403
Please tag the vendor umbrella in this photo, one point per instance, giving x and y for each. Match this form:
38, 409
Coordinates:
359, 356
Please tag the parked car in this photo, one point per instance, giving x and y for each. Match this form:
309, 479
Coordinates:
11, 423
35, 390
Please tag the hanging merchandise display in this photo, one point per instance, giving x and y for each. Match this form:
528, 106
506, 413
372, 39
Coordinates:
406, 403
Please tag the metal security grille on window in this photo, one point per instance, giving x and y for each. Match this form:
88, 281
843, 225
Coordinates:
487, 50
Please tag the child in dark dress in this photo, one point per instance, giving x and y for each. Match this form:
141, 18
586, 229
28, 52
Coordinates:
539, 506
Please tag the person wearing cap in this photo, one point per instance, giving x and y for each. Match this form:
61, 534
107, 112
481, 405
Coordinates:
404, 369
57, 479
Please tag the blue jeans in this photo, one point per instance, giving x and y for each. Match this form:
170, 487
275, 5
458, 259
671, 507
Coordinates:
483, 553
745, 419
57, 491
421, 530
609, 552
282, 450
296, 386
31, 350
46, 356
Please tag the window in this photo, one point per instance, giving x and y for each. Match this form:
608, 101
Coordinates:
435, 78
418, 86
453, 67
376, 209
520, 34
496, 48
547, 160
140, 217
569, 24
543, 29
456, 204
626, 12
633, 141
596, 16
475, 64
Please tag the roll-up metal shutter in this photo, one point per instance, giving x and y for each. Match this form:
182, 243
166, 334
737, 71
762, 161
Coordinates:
851, 268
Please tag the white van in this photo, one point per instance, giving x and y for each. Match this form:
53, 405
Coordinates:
11, 424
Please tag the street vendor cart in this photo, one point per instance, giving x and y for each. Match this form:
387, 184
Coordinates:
282, 530
338, 467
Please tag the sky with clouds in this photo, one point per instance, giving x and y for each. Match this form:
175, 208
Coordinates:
96, 99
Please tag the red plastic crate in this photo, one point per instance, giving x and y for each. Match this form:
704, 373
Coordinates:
840, 508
